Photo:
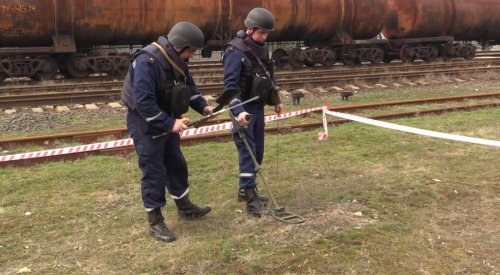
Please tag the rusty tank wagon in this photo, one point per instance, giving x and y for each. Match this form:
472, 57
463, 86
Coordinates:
428, 29
40, 38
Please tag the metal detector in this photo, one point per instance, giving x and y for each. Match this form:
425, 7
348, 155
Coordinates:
223, 100
277, 212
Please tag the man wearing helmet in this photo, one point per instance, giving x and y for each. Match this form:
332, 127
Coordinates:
158, 89
247, 66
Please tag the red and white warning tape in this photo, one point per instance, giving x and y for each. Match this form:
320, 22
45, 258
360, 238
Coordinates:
407, 129
128, 142
324, 135
68, 150
228, 125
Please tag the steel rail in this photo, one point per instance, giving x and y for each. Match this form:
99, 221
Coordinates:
92, 136
126, 150
82, 97
337, 70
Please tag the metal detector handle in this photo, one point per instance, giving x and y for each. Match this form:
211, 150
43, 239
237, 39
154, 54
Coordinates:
243, 129
248, 117
199, 122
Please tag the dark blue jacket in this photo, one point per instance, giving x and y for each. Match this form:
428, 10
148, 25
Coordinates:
145, 78
239, 67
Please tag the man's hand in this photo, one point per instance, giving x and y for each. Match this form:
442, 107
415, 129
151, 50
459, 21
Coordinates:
180, 125
242, 120
278, 108
208, 110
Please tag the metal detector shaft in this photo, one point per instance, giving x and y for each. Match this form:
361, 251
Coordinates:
241, 133
259, 172
278, 212
198, 122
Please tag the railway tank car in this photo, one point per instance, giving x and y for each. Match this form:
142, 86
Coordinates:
38, 37
328, 30
428, 29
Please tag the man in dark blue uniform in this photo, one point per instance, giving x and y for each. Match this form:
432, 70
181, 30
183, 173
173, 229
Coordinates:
158, 89
247, 66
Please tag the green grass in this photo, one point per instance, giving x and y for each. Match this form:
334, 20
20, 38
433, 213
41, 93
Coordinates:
428, 206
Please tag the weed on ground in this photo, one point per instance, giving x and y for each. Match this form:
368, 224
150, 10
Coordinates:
376, 202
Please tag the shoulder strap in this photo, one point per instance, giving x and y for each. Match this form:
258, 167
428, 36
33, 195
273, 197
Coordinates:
249, 50
151, 51
172, 63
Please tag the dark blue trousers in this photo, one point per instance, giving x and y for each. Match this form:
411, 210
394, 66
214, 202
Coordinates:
255, 138
161, 161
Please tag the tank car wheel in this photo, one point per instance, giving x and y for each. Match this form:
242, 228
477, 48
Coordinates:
280, 58
48, 69
75, 67
468, 52
378, 57
432, 54
406, 53
350, 60
294, 58
446, 53
123, 64
329, 59
445, 56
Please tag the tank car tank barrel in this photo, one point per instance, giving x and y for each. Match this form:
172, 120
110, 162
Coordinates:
462, 19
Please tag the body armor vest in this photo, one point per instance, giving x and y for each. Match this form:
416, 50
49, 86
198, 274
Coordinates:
172, 94
255, 79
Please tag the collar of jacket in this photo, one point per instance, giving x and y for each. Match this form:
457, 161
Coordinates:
245, 43
163, 41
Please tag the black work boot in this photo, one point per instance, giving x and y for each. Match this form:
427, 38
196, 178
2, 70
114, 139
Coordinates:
188, 210
254, 206
242, 197
157, 227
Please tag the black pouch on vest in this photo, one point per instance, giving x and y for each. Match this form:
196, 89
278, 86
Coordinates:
179, 99
261, 86
273, 98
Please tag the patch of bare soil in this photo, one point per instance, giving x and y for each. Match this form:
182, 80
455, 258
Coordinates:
322, 221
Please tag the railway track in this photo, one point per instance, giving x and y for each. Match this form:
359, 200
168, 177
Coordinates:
350, 72
110, 91
128, 149
92, 136
211, 67
210, 70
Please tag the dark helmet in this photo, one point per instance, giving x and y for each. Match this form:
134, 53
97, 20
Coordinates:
185, 34
260, 18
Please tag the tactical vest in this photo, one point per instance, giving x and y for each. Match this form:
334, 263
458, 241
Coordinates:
254, 79
172, 93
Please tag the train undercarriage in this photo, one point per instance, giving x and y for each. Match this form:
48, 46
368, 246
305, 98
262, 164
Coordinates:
373, 51
45, 66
